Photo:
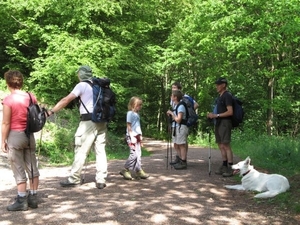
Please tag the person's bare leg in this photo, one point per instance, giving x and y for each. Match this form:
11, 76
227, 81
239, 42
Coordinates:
177, 149
223, 167
34, 185
32, 197
228, 152
229, 156
21, 187
183, 152
182, 164
223, 151
178, 155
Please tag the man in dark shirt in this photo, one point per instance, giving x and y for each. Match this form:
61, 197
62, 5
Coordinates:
223, 126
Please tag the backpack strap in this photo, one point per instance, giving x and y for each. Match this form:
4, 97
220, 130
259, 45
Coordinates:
83, 104
30, 98
183, 121
91, 84
27, 128
85, 117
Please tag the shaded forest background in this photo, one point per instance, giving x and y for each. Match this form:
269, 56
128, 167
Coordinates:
145, 45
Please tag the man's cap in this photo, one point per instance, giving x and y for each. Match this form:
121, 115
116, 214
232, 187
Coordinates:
85, 73
221, 80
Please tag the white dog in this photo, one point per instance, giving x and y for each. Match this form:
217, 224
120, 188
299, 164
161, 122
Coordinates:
269, 184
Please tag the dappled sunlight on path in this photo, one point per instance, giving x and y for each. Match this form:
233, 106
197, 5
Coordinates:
168, 197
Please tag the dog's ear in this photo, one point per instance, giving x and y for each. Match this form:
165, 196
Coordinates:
247, 161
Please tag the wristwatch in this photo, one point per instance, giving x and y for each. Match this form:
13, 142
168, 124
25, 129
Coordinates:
218, 115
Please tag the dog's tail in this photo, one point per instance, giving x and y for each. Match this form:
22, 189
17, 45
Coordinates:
268, 194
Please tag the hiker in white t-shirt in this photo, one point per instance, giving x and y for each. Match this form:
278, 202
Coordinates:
88, 133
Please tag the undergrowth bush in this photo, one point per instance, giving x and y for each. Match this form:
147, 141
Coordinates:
270, 152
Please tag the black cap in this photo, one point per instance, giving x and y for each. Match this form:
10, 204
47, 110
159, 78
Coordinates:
221, 80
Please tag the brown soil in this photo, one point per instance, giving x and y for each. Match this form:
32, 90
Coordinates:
169, 196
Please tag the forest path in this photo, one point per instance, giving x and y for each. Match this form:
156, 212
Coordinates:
168, 197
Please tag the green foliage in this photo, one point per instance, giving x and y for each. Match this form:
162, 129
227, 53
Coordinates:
297, 208
2, 85
54, 154
144, 46
276, 154
244, 41
58, 137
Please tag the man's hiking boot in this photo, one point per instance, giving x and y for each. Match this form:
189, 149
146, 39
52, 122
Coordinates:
177, 160
222, 169
100, 185
126, 174
141, 175
229, 172
32, 201
19, 205
67, 183
180, 166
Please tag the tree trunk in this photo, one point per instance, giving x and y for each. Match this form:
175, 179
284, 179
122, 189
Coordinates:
270, 113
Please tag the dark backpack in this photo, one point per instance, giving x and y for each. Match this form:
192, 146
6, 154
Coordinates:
238, 111
104, 100
36, 117
191, 114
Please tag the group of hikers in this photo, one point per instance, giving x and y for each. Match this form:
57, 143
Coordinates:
21, 153
223, 126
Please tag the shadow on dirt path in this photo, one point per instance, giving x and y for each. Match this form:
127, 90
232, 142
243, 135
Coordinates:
168, 197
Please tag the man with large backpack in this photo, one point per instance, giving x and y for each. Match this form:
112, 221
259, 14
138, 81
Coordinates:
223, 126
88, 133
177, 86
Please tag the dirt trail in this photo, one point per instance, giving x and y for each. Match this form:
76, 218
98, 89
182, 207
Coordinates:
168, 197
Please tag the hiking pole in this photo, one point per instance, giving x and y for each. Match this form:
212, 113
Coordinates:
84, 169
39, 150
171, 154
170, 137
209, 154
169, 142
168, 148
41, 135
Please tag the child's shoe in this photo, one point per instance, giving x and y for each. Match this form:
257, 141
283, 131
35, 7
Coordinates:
126, 174
141, 174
